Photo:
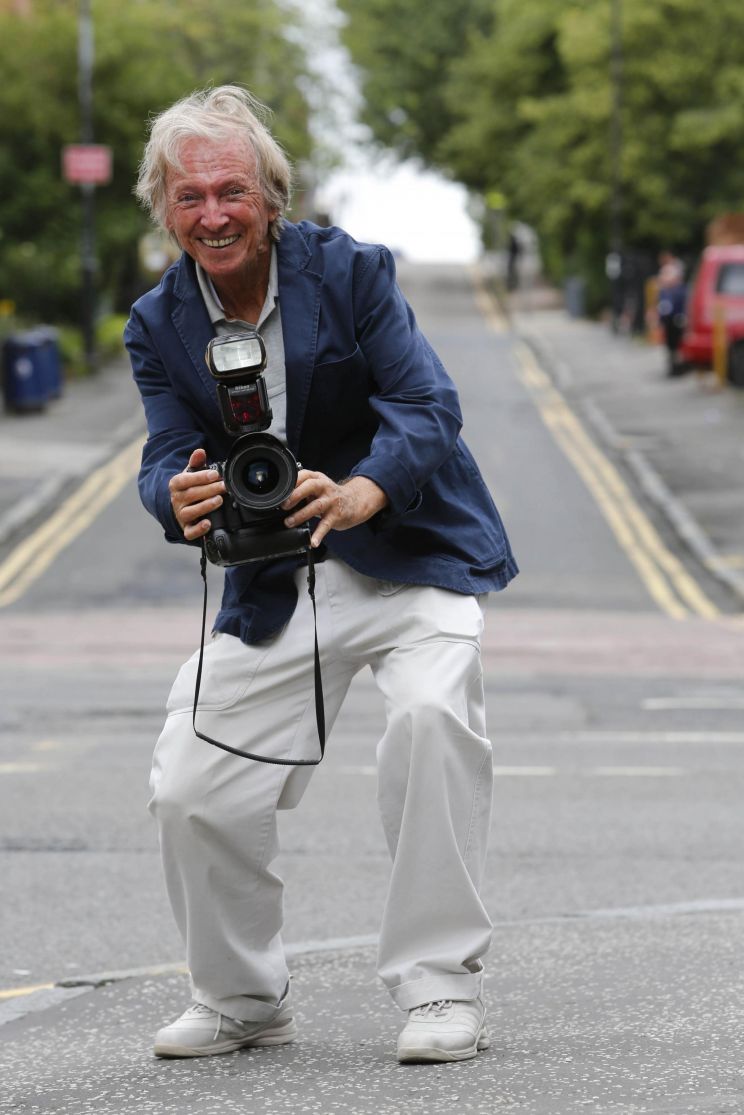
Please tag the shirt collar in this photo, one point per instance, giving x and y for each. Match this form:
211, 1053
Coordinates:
216, 310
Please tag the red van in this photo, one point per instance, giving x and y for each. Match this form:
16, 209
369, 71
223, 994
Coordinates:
719, 278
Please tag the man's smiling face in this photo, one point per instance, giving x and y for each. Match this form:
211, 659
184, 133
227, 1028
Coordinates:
216, 208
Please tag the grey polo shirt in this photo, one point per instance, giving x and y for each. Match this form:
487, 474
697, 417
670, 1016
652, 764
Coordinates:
269, 325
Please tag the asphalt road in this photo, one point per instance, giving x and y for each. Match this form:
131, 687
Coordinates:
618, 741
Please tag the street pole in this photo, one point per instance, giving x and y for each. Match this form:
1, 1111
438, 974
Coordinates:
88, 241
615, 259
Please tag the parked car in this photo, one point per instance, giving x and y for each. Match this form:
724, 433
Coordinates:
719, 279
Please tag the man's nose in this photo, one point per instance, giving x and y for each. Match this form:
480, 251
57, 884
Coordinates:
213, 215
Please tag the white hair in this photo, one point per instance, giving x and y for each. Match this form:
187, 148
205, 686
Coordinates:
214, 114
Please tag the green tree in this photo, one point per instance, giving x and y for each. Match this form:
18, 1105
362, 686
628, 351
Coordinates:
148, 53
403, 50
548, 141
528, 102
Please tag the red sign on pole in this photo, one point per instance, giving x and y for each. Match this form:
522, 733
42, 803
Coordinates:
86, 164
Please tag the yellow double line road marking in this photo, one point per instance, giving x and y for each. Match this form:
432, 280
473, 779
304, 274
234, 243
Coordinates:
36, 553
663, 574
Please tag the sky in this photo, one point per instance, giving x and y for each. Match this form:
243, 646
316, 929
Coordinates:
417, 213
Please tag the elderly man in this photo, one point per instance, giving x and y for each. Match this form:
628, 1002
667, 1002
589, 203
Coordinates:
409, 541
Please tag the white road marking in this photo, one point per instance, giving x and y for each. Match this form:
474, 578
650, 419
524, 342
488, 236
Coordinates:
627, 738
636, 772
524, 772
501, 771
712, 703
23, 767
589, 772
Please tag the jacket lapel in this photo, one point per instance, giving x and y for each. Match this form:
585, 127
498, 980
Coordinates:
191, 322
299, 301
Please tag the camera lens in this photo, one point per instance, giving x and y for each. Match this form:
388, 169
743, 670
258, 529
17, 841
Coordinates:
260, 477
260, 472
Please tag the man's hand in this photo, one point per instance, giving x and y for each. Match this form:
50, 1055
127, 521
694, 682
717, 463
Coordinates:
338, 506
195, 494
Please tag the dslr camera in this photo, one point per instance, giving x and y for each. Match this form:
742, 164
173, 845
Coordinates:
259, 471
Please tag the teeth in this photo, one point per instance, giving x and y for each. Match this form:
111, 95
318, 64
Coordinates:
219, 243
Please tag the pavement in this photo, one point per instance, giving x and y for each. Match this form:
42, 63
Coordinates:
679, 440
46, 454
84, 1045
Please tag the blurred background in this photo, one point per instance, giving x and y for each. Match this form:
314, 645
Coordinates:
587, 137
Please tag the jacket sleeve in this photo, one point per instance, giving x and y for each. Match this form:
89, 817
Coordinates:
415, 401
172, 431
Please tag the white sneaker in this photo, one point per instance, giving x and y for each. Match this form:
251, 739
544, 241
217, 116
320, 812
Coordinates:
202, 1032
446, 1030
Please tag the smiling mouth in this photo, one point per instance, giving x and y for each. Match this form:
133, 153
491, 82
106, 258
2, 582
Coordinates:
225, 242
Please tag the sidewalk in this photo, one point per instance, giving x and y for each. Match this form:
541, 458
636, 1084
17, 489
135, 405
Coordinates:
681, 440
44, 455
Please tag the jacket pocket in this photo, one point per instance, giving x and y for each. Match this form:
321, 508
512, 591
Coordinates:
354, 359
338, 404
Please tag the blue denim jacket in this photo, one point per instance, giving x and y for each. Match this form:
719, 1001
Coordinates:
366, 395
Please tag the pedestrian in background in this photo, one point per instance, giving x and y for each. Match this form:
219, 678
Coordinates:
672, 299
408, 543
514, 251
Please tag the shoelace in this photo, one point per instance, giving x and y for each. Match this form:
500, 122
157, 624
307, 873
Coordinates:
201, 1008
437, 1008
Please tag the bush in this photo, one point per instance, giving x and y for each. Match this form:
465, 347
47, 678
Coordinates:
71, 350
109, 336
109, 344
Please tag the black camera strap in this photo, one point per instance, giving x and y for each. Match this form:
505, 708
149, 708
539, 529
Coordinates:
319, 707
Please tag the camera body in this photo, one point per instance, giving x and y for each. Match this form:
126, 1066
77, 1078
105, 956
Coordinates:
259, 472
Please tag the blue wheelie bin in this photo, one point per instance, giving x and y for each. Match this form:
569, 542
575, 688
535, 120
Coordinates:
24, 379
51, 360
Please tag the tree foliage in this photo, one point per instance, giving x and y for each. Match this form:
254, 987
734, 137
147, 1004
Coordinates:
147, 54
403, 50
528, 106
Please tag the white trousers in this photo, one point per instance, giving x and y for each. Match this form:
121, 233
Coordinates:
217, 813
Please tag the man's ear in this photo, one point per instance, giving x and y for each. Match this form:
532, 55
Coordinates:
168, 226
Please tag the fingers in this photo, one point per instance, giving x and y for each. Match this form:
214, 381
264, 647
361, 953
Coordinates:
336, 506
195, 494
198, 459
315, 496
304, 477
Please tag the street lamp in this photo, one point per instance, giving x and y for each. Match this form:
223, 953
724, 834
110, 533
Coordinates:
88, 242
615, 257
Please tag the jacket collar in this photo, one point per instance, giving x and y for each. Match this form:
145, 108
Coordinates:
191, 321
299, 304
